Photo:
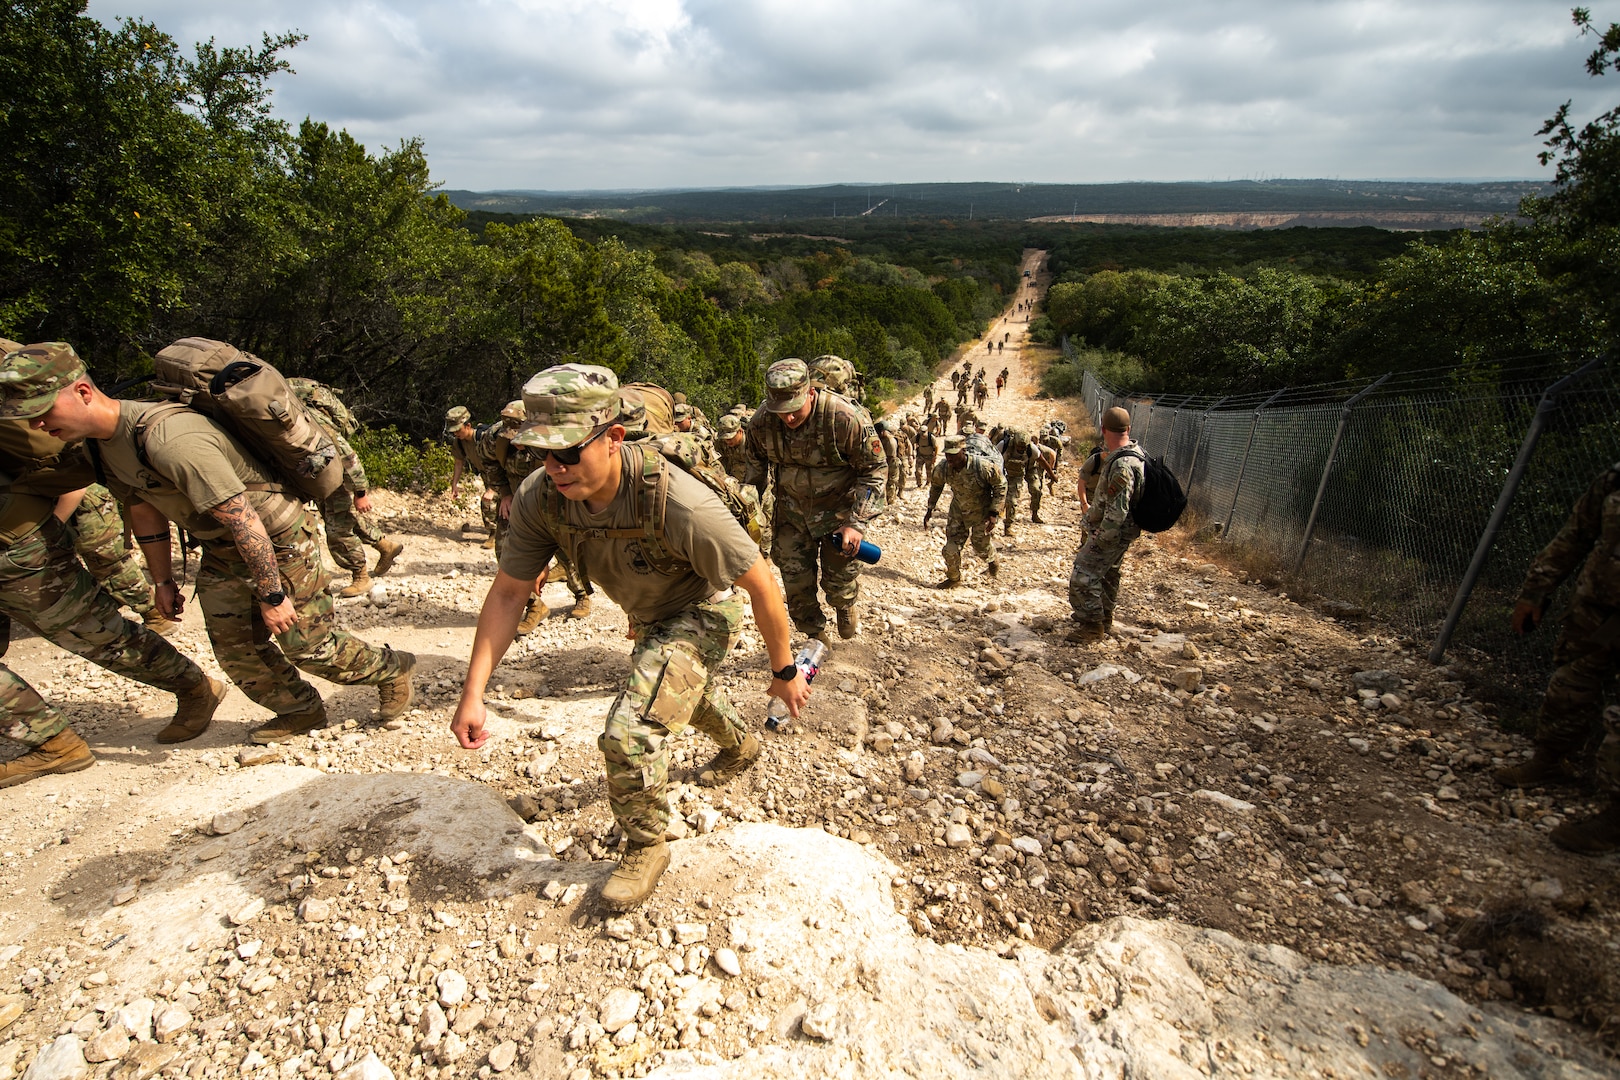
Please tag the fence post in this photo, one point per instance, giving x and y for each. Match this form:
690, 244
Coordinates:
1544, 408
1152, 405
1203, 421
1327, 467
1226, 526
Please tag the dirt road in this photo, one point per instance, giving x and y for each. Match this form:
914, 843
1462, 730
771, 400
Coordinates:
1231, 758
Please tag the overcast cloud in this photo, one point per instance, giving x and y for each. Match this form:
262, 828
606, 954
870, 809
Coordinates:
566, 94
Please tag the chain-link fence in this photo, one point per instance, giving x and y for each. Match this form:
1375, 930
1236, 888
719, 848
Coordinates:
1419, 497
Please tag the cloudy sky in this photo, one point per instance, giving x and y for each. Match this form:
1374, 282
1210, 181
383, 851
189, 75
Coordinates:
569, 94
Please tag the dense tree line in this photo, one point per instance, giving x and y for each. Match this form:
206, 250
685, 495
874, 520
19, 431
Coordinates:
148, 194
1545, 282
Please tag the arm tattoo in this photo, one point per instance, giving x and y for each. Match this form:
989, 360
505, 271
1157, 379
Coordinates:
252, 542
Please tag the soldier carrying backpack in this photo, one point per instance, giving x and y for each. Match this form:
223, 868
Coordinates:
664, 546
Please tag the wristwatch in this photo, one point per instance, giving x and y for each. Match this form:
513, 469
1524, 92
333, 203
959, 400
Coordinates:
787, 674
275, 599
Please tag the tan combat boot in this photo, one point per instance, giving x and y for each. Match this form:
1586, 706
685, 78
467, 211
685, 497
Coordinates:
388, 550
1596, 835
359, 586
533, 616
1546, 767
992, 569
194, 712
636, 876
394, 697
582, 606
948, 583
730, 761
1086, 633
489, 544
290, 725
63, 752
849, 621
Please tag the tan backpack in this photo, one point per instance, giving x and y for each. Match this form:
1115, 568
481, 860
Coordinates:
254, 402
660, 406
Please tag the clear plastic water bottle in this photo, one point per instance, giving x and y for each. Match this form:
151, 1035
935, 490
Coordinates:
808, 662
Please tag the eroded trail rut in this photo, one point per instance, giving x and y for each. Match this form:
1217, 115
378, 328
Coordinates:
878, 897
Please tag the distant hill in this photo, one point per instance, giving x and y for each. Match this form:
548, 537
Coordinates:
1231, 204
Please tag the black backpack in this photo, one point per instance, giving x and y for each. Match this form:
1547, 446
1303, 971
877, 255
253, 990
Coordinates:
1160, 503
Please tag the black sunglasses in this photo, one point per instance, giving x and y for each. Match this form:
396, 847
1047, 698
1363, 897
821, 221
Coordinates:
570, 456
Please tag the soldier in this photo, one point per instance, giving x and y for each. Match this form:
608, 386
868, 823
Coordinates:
963, 389
685, 614
830, 474
1587, 657
1025, 466
942, 417
835, 373
44, 587
893, 468
977, 489
1094, 578
465, 438
346, 513
97, 529
261, 573
927, 450
732, 445
981, 393
928, 398
507, 465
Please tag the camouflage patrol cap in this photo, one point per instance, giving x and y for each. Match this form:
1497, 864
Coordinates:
566, 404
632, 412
1116, 420
729, 424
32, 376
787, 384
833, 372
683, 411
956, 444
455, 418
513, 410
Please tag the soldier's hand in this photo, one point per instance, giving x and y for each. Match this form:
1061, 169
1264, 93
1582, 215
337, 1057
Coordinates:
468, 724
281, 618
849, 540
166, 595
990, 522
505, 509
455, 492
362, 503
795, 695
1526, 617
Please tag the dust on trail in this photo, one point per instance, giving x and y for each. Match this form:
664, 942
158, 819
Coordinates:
1233, 759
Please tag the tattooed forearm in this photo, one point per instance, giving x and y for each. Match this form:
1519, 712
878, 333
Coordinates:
252, 542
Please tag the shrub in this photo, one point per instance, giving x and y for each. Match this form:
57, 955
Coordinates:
392, 462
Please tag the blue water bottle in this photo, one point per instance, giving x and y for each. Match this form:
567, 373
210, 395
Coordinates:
869, 553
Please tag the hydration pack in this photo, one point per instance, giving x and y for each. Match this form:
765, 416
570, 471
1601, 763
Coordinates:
1160, 503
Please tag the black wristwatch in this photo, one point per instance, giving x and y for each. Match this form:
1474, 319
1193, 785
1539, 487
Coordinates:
787, 674
275, 599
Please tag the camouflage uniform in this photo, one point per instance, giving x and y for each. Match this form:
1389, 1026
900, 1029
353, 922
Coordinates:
928, 399
348, 529
1022, 470
266, 667
977, 489
97, 529
470, 455
44, 587
893, 468
1587, 654
734, 459
1094, 578
830, 472
670, 686
672, 663
926, 453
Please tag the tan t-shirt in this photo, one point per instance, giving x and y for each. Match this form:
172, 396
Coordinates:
712, 549
196, 465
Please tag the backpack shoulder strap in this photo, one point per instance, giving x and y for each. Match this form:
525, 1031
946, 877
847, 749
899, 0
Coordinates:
652, 492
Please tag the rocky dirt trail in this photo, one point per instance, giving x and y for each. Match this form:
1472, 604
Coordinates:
1242, 835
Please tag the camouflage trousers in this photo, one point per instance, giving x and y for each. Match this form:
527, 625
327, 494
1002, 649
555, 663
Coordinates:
44, 587
489, 509
671, 686
959, 529
1094, 578
797, 554
1586, 659
896, 481
578, 583
97, 528
348, 531
266, 666
925, 465
1026, 478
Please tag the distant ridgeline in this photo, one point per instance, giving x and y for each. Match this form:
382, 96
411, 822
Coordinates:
1237, 204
